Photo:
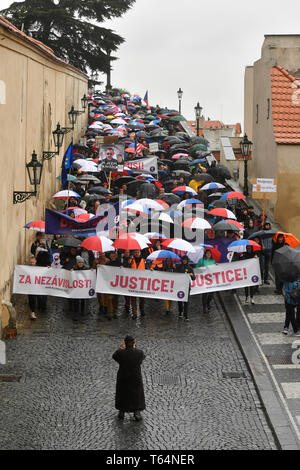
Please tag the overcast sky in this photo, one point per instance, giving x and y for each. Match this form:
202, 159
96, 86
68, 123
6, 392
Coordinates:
202, 47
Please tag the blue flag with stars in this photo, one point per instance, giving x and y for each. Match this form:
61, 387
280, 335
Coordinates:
67, 163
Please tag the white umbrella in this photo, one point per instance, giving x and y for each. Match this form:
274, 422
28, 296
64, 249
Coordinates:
66, 194
166, 218
150, 204
118, 121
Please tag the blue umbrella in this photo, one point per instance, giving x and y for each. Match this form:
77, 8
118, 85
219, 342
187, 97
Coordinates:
195, 162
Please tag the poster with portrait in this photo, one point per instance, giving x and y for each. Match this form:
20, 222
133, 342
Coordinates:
111, 157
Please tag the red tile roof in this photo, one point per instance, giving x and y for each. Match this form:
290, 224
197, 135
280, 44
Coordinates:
285, 106
193, 126
213, 124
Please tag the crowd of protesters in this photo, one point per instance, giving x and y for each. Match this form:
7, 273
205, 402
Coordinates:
193, 168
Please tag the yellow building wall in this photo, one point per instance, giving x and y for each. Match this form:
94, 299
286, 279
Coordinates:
39, 92
288, 201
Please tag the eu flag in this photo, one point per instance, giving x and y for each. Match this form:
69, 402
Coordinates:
67, 163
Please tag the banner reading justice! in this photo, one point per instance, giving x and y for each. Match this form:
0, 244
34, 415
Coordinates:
142, 283
226, 276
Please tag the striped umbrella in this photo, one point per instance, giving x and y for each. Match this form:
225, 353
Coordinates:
208, 186
184, 189
37, 225
100, 244
233, 195
220, 212
197, 223
178, 246
161, 255
189, 202
77, 211
240, 246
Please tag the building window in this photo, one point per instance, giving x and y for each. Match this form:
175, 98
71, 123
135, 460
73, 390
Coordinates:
268, 108
2, 92
257, 114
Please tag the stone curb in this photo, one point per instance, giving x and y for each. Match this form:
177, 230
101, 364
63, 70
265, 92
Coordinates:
280, 424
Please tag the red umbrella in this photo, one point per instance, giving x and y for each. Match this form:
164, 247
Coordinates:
84, 217
129, 242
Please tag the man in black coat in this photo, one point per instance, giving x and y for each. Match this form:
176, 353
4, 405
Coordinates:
130, 396
184, 267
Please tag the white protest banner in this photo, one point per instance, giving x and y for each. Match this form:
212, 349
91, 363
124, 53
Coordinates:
37, 280
142, 283
226, 276
143, 164
153, 147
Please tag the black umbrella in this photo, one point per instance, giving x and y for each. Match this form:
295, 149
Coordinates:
69, 242
170, 198
91, 178
262, 234
134, 186
220, 203
286, 263
203, 177
225, 226
223, 172
99, 190
93, 197
183, 172
123, 180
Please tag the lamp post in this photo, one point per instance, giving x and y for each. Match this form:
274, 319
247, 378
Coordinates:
84, 102
179, 94
34, 170
246, 147
58, 137
198, 111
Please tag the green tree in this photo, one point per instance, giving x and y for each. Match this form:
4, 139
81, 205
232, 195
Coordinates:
70, 28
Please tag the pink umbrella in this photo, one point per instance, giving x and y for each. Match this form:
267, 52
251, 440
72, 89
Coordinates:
179, 155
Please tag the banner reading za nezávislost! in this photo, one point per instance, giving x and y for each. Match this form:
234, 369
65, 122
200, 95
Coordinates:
54, 282
226, 276
142, 283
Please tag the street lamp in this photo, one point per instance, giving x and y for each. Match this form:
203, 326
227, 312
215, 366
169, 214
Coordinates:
246, 147
180, 94
198, 111
34, 170
58, 137
84, 101
73, 114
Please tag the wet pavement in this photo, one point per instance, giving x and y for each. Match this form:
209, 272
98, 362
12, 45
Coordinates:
199, 393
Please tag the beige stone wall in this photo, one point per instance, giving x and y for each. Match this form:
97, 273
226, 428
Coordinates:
288, 201
38, 92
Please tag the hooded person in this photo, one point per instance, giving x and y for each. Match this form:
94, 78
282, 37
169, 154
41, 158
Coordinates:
129, 396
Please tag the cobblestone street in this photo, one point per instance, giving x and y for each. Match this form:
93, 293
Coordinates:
199, 393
